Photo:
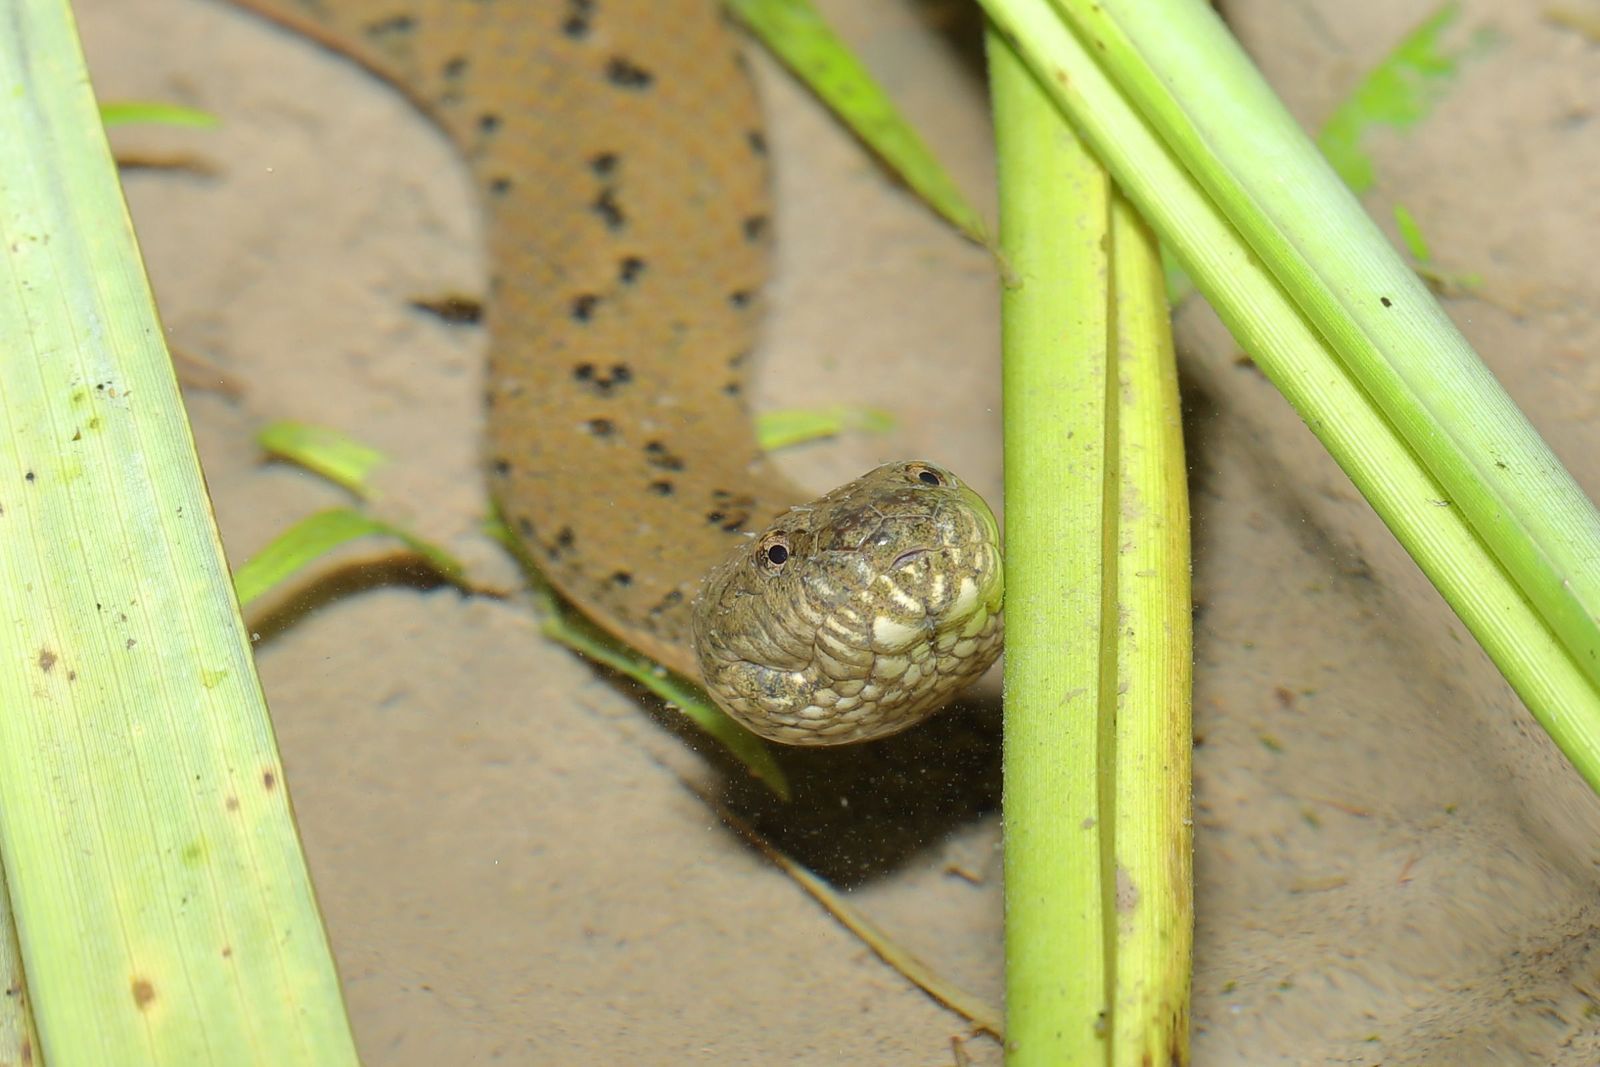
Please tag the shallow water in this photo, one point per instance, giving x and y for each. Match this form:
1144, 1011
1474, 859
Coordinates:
1393, 863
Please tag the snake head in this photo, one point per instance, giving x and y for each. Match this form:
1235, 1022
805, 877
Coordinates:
857, 615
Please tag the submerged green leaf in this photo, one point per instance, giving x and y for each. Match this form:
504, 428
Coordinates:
315, 536
1400, 92
1411, 234
334, 455
128, 112
793, 426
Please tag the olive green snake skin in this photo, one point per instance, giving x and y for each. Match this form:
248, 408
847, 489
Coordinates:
618, 150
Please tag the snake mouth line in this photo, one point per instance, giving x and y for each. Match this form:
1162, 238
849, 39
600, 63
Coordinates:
907, 556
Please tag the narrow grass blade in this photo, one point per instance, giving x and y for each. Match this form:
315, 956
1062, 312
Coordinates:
331, 453
796, 34
162, 905
1152, 836
1099, 892
793, 426
128, 112
1411, 234
316, 535
1060, 677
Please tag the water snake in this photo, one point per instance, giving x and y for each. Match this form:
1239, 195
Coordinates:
618, 150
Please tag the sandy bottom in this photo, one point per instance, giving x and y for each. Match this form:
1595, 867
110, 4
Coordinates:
1394, 865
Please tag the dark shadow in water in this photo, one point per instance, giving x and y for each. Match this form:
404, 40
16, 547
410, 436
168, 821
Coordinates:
859, 812
342, 583
960, 23
862, 811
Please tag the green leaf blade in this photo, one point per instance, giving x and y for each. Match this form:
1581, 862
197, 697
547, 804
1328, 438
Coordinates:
797, 35
163, 908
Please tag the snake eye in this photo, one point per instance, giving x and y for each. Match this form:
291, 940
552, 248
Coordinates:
773, 552
925, 474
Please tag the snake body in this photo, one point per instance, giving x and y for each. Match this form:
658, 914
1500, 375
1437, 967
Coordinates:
618, 150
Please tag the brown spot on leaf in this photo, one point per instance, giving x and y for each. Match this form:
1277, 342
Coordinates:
143, 992
47, 660
269, 780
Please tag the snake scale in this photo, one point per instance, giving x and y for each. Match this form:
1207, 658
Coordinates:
618, 150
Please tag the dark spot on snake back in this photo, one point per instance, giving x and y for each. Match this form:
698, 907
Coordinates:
622, 579
755, 227
454, 67
662, 488
659, 456
739, 298
731, 511
600, 427
500, 186
451, 309
576, 23
758, 142
602, 382
488, 122
628, 75
397, 25
583, 307
605, 205
629, 269
671, 598
501, 466
604, 164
